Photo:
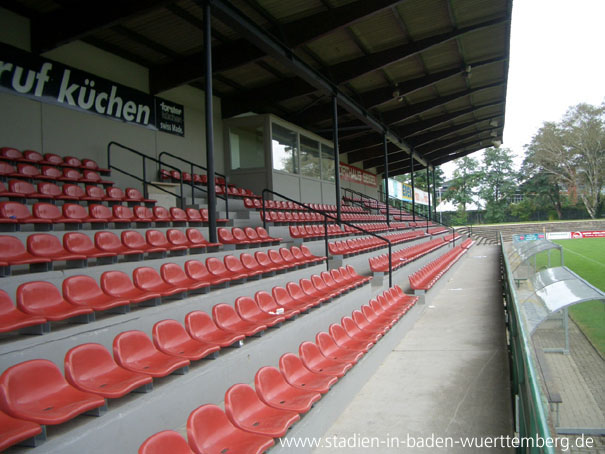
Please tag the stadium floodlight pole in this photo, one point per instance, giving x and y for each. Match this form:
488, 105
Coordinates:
209, 123
386, 177
428, 193
413, 191
336, 158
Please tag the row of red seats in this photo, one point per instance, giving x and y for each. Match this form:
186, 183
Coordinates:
406, 255
370, 243
39, 302
438, 230
50, 173
20, 189
428, 275
420, 224
246, 237
220, 187
42, 249
253, 417
92, 375
45, 216
291, 206
377, 227
315, 231
32, 156
363, 217
287, 217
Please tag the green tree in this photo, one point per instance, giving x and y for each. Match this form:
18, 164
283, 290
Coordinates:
498, 182
462, 188
572, 151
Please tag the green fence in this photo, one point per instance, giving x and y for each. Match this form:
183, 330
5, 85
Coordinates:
531, 419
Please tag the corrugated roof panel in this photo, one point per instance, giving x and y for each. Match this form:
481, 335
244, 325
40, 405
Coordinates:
282, 69
441, 57
468, 12
369, 81
379, 31
250, 75
484, 43
260, 19
415, 13
335, 48
410, 68
169, 30
111, 37
288, 11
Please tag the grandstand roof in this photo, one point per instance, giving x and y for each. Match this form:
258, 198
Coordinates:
431, 72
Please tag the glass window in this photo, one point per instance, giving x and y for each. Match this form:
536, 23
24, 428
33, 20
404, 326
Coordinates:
327, 163
309, 158
284, 149
246, 146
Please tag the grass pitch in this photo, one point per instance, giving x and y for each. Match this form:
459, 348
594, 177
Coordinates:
586, 257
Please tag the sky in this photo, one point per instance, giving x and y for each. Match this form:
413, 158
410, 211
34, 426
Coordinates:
556, 61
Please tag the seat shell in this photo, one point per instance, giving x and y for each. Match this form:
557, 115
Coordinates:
227, 319
90, 368
248, 309
174, 275
13, 252
147, 278
134, 351
36, 391
273, 389
210, 431
299, 376
80, 243
170, 337
118, 284
245, 410
47, 245
84, 291
200, 326
12, 319
312, 358
44, 299
13, 430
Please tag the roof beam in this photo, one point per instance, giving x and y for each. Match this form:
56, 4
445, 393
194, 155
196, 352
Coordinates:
59, 27
241, 52
231, 16
351, 69
373, 98
428, 137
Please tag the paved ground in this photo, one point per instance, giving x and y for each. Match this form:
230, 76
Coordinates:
447, 378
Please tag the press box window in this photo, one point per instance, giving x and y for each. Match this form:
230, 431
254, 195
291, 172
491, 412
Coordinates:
284, 149
247, 148
309, 158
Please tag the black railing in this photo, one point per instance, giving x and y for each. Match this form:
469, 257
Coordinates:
194, 187
143, 179
325, 221
363, 198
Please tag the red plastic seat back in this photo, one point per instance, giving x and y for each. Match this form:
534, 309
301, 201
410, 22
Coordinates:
265, 301
287, 255
172, 273
115, 282
129, 346
262, 233
91, 175
233, 264
53, 159
198, 323
239, 235
34, 296
196, 269
71, 161
21, 187
145, 277
142, 212
178, 214
177, 237
276, 258
114, 193
122, 212
225, 236
14, 210
28, 170
71, 174
167, 441
249, 262
263, 259
161, 214
90, 164
134, 194
11, 154
51, 172
196, 237
168, 333
133, 239
216, 267
193, 214
101, 212
10, 247
80, 288
75, 211
73, 190
77, 243
49, 189
44, 244
46, 211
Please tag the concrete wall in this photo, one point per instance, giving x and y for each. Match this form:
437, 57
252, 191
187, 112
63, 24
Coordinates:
54, 129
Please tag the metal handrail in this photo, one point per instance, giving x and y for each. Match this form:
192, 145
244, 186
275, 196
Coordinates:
143, 179
326, 216
192, 184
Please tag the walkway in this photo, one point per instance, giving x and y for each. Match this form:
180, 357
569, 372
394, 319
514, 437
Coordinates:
447, 378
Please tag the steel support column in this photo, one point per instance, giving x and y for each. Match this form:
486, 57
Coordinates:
413, 194
434, 197
209, 124
336, 158
386, 177
428, 193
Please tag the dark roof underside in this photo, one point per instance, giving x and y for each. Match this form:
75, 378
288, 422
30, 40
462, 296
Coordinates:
433, 71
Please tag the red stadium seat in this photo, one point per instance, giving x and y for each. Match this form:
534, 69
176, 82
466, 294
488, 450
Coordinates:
311, 356
71, 161
174, 275
36, 391
92, 165
356, 333
70, 174
53, 159
278, 260
197, 240
252, 267
225, 236
134, 196
218, 270
7, 170
267, 303
240, 236
47, 245
248, 309
330, 349
51, 212
177, 239
297, 294
308, 288
161, 215
100, 214
114, 194
119, 285
295, 373
320, 285
32, 156
10, 154
263, 260
12, 319
252, 236
194, 216
14, 431
275, 391
109, 242
84, 291
167, 441
71, 192
170, 337
263, 235
17, 213
134, 240
244, 408
13, 252
142, 214
80, 243
134, 351
210, 432
90, 176
196, 270
200, 326
343, 340
90, 368
29, 171
227, 319
284, 299
365, 325
75, 213
44, 299
122, 215
94, 193
24, 189
148, 279
51, 173
179, 217
234, 266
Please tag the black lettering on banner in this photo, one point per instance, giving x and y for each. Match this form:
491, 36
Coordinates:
47, 81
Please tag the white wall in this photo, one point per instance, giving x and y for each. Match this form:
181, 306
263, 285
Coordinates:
25, 123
